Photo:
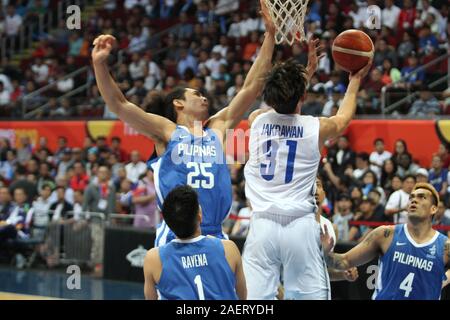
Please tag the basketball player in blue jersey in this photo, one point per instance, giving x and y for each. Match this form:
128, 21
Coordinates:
280, 175
192, 266
413, 257
188, 153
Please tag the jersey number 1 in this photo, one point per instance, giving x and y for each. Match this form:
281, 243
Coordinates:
268, 170
199, 284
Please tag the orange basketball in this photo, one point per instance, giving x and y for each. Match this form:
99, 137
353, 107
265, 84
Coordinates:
352, 49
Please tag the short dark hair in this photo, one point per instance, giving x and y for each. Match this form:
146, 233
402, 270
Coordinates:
115, 138
363, 155
285, 85
410, 176
378, 140
180, 211
162, 104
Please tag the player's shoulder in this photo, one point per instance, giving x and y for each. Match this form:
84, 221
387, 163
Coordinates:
230, 246
385, 231
152, 258
255, 114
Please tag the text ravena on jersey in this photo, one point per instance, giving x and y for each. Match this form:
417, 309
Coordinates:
412, 261
269, 129
194, 261
185, 153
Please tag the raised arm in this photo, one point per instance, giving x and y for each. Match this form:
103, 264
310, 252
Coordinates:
230, 116
335, 126
364, 252
153, 126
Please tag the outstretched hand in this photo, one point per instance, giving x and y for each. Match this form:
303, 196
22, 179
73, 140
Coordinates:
103, 45
326, 239
270, 26
314, 55
363, 72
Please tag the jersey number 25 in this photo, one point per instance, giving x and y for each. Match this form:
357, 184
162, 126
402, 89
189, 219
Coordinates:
200, 177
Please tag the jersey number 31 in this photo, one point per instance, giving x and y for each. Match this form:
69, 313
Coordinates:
268, 170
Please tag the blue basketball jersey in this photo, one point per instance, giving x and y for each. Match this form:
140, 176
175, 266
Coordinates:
411, 271
199, 162
195, 269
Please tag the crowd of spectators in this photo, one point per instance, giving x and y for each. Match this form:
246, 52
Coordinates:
211, 47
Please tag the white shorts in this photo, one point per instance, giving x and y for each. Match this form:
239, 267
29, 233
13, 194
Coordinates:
294, 246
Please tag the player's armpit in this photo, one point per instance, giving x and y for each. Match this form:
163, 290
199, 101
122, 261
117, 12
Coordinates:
148, 124
371, 247
152, 273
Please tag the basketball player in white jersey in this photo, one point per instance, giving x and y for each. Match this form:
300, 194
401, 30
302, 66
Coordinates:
284, 154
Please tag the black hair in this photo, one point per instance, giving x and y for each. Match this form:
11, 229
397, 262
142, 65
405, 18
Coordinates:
374, 175
363, 155
162, 104
285, 85
180, 211
378, 140
115, 138
410, 176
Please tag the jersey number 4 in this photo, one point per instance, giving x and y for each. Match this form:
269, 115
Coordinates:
268, 170
406, 284
200, 177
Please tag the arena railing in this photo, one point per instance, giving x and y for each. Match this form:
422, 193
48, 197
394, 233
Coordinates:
409, 95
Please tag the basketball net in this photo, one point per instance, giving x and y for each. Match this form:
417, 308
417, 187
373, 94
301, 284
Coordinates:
288, 17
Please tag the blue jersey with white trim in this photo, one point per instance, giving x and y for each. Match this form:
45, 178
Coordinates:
199, 162
411, 271
195, 269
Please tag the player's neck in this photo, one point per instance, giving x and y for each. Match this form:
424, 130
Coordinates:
197, 234
194, 126
420, 231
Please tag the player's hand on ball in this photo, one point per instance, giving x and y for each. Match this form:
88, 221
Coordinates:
102, 47
351, 274
326, 239
363, 72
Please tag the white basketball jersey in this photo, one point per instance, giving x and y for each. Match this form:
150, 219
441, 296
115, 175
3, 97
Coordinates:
283, 160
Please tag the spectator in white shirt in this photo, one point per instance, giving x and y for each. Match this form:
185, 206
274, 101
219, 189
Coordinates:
138, 42
214, 63
235, 30
6, 82
153, 75
362, 165
13, 21
64, 85
136, 67
390, 14
397, 203
135, 168
378, 157
42, 205
40, 70
5, 96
